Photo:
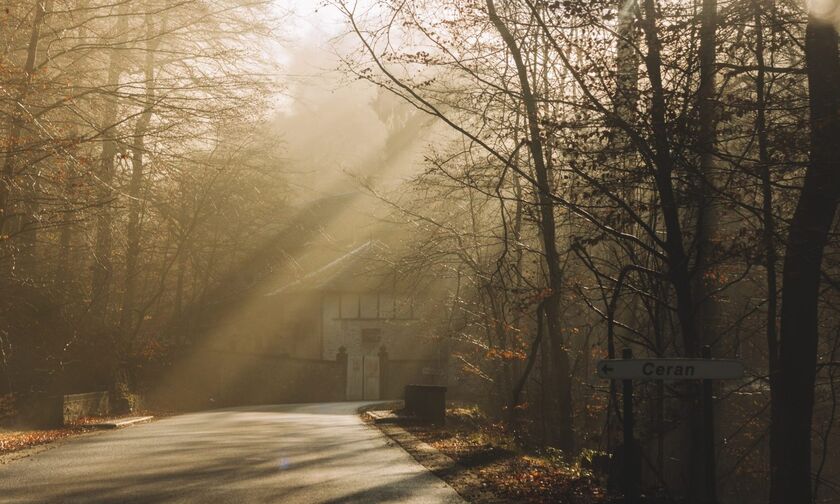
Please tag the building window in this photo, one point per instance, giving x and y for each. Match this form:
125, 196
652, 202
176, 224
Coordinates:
371, 339
369, 306
349, 306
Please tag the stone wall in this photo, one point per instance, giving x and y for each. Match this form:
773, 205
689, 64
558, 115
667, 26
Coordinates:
215, 378
49, 411
76, 406
260, 379
202, 379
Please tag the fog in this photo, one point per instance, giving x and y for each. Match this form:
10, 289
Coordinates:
246, 206
334, 126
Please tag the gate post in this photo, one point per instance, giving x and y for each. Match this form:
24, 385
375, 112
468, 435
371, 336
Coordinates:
384, 389
341, 358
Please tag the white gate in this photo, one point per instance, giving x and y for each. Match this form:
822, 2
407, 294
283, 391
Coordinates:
363, 377
371, 383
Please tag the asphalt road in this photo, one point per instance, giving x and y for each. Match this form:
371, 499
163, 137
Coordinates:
305, 453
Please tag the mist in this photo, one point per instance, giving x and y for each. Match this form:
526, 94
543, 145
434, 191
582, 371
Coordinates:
419, 251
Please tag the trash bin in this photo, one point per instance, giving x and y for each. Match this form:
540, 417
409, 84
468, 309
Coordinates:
426, 402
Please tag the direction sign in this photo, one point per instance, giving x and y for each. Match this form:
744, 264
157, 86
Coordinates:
670, 369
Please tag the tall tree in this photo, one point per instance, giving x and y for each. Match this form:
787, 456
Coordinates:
103, 267
135, 186
26, 224
708, 218
801, 276
548, 229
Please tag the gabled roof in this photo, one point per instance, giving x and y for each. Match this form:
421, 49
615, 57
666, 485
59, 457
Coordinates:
362, 268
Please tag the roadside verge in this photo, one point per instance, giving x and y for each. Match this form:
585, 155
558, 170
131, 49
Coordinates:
21, 442
482, 462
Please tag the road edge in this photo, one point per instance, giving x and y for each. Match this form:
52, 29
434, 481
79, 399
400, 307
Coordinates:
436, 462
7, 458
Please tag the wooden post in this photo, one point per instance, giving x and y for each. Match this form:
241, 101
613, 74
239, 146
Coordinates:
709, 435
631, 466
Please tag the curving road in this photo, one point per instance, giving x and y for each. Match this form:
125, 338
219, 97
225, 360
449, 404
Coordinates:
304, 453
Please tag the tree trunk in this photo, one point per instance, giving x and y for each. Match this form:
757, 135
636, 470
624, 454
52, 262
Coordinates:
138, 148
519, 386
27, 226
707, 211
102, 265
707, 207
769, 244
560, 356
678, 270
627, 64
663, 159
62, 267
807, 238
63, 273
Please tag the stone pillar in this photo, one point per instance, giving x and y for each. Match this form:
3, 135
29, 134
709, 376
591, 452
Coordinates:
341, 358
384, 385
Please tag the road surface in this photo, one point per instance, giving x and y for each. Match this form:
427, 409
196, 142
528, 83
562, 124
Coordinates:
305, 453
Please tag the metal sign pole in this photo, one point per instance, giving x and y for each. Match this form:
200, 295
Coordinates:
631, 482
709, 434
706, 369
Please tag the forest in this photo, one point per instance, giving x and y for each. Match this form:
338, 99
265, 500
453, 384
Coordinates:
558, 181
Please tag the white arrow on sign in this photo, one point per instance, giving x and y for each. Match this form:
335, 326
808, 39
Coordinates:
671, 369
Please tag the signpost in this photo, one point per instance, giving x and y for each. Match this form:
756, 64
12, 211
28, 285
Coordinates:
632, 465
706, 369
670, 369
